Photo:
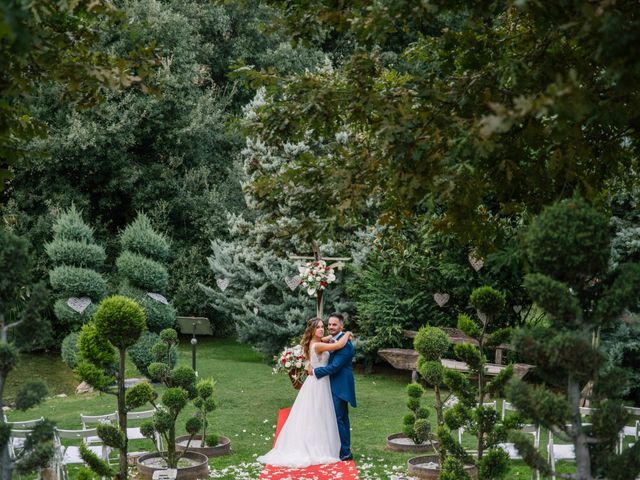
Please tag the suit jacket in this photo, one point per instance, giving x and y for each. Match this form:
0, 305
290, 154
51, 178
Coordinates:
340, 373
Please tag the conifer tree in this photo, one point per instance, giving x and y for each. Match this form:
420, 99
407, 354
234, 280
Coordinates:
569, 247
142, 268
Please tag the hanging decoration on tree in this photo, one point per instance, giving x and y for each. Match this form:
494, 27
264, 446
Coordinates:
158, 298
316, 275
476, 262
293, 282
222, 283
517, 308
441, 298
79, 304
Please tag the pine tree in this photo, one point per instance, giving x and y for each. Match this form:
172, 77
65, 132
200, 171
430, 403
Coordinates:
75, 278
142, 268
569, 247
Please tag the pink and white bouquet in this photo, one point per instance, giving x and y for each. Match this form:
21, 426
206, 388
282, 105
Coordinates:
292, 361
316, 276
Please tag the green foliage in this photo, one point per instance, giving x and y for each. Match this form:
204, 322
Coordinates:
432, 372
494, 465
183, 377
414, 390
69, 350
68, 317
467, 325
487, 300
142, 272
193, 425
8, 358
569, 241
529, 452
75, 253
205, 388
97, 377
431, 342
139, 395
111, 435
140, 237
120, 320
470, 355
213, 439
15, 261
77, 282
70, 226
555, 297
415, 424
159, 371
85, 473
142, 354
30, 395
453, 469
95, 463
95, 347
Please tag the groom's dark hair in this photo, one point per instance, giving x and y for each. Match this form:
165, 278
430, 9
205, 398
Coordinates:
338, 315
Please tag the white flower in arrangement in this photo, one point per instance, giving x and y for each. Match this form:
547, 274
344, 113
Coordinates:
287, 365
316, 276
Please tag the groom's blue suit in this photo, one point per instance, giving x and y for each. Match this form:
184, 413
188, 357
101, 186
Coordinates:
343, 390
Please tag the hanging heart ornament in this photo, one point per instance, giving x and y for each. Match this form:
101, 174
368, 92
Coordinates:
79, 304
293, 282
476, 262
517, 308
158, 298
441, 299
222, 283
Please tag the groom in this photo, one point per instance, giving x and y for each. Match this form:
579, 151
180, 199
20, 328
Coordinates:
342, 384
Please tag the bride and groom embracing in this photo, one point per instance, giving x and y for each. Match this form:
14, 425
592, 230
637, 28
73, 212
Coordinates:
317, 430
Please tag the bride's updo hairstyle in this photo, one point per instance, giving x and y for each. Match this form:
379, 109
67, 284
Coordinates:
312, 324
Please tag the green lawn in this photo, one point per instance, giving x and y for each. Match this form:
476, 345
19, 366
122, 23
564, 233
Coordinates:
249, 396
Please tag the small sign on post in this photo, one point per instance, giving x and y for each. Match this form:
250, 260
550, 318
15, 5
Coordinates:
194, 326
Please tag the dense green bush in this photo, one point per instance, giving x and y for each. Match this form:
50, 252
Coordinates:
140, 237
142, 355
69, 317
71, 226
78, 254
69, 349
120, 321
77, 282
142, 272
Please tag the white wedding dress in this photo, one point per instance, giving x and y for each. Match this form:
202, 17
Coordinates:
310, 434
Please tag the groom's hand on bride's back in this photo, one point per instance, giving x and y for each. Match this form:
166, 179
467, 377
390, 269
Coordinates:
309, 369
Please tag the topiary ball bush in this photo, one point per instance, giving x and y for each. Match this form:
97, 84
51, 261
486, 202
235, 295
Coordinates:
69, 350
120, 320
142, 356
568, 241
140, 237
431, 342
142, 272
487, 300
77, 282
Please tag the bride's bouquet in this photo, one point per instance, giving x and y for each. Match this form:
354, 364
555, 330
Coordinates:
316, 276
292, 361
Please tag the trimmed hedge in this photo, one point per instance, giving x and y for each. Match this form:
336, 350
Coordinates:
142, 272
140, 237
77, 282
70, 226
68, 316
76, 253
69, 350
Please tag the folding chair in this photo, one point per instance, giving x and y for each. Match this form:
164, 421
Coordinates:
16, 442
461, 429
631, 430
134, 433
70, 454
92, 421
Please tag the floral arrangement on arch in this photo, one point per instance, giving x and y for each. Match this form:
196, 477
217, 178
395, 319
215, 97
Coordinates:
316, 276
292, 361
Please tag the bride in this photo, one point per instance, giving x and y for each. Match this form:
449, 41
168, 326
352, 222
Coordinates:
310, 434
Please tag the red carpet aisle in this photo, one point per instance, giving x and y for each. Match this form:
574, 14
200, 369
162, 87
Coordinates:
340, 470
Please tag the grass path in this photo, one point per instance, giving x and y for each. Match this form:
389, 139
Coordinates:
249, 396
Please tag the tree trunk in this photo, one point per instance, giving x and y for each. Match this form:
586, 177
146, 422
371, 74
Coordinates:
172, 461
583, 462
439, 413
122, 417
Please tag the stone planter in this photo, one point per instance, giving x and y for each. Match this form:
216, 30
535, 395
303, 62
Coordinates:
420, 467
399, 442
150, 462
222, 448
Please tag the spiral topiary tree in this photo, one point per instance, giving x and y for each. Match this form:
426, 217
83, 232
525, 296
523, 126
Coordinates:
181, 387
116, 326
416, 423
470, 412
15, 265
568, 246
76, 259
205, 403
144, 276
432, 343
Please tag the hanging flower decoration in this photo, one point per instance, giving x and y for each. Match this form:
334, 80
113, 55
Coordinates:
316, 276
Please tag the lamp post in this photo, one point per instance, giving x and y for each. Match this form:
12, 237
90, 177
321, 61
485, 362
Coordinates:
194, 342
194, 326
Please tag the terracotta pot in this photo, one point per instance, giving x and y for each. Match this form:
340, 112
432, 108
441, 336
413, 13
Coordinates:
399, 442
222, 448
417, 467
198, 471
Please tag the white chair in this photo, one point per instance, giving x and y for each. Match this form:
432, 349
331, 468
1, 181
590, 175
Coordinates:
631, 430
70, 454
16, 442
513, 452
92, 421
134, 433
